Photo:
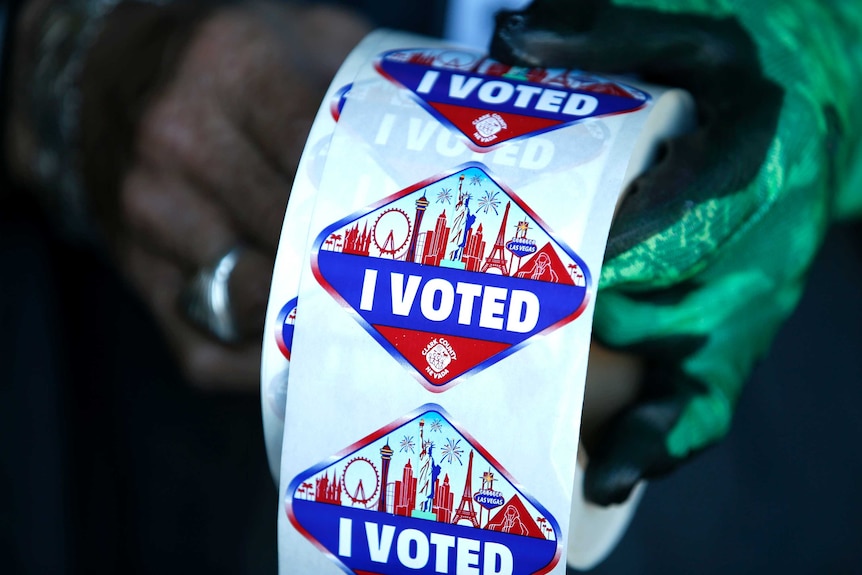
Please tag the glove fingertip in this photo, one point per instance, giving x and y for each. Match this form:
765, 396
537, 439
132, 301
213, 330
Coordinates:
610, 484
631, 448
508, 41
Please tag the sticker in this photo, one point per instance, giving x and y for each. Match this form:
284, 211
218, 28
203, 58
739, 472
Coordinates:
491, 103
284, 323
422, 495
452, 274
336, 103
390, 121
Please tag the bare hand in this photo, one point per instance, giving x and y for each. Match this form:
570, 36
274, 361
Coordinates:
212, 163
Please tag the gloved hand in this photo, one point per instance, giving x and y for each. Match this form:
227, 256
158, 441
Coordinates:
709, 251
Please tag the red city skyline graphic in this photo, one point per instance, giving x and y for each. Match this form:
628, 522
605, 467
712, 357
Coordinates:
450, 231
411, 481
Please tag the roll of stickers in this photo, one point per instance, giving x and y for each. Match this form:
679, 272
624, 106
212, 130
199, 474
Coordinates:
442, 245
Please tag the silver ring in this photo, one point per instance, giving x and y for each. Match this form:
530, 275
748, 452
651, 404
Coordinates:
206, 299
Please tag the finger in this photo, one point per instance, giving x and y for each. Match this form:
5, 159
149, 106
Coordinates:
632, 448
211, 154
192, 232
276, 91
165, 213
713, 58
721, 157
611, 39
633, 444
287, 91
289, 76
205, 363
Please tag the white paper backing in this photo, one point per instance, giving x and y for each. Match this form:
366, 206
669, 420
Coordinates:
525, 409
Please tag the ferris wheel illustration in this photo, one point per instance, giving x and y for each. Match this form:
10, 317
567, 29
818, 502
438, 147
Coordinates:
391, 231
456, 59
361, 480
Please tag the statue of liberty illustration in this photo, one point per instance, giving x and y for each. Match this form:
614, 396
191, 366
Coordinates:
461, 224
427, 475
427, 506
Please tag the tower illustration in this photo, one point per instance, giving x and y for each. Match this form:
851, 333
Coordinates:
385, 458
465, 508
435, 242
497, 259
421, 206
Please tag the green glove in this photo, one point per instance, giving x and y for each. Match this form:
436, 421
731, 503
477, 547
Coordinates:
709, 252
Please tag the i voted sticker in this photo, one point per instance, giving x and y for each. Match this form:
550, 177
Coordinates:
452, 274
491, 103
389, 122
422, 496
284, 327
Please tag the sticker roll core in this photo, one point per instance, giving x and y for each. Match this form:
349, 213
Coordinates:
429, 320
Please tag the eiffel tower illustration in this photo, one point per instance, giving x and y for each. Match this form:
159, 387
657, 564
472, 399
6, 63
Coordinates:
465, 508
497, 259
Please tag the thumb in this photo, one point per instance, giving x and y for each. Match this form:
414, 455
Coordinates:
685, 50
633, 447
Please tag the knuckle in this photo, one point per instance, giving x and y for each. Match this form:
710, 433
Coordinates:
169, 134
136, 208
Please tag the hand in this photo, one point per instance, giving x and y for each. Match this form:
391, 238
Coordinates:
210, 159
709, 251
